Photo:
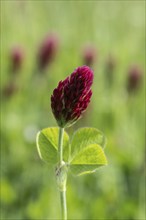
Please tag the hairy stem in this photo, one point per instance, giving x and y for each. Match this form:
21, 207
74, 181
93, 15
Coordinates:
62, 176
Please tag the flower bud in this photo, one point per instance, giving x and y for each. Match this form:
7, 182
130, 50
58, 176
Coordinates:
134, 78
16, 57
47, 51
89, 55
72, 96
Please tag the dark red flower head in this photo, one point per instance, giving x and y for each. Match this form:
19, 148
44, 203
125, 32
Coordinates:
72, 96
134, 78
16, 57
47, 51
89, 55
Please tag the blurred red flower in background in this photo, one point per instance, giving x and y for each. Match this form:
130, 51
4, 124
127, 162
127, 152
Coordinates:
89, 55
134, 78
47, 51
16, 58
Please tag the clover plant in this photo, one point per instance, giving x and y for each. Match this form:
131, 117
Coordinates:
84, 152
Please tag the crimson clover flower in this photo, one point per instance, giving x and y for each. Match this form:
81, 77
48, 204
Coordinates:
134, 78
47, 51
72, 96
89, 55
16, 57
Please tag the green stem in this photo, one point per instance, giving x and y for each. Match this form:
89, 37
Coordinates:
63, 204
63, 184
60, 143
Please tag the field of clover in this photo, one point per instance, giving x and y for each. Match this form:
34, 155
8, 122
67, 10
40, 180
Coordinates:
72, 96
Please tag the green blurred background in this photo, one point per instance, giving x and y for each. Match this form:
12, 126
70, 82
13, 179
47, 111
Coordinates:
28, 188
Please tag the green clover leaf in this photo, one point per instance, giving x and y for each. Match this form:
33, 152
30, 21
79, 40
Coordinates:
87, 151
47, 145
